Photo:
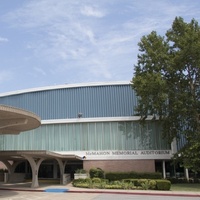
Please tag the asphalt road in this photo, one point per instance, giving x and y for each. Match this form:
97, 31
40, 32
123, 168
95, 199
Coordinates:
21, 195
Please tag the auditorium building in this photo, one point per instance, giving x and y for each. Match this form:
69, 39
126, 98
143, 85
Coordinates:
84, 126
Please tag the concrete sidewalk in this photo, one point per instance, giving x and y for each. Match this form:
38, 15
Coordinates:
69, 188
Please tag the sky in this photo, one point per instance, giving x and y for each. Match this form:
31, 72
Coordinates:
56, 42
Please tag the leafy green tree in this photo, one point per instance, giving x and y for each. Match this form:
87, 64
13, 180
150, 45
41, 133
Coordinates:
167, 82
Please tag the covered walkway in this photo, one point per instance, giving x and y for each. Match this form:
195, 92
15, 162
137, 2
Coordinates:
13, 121
13, 158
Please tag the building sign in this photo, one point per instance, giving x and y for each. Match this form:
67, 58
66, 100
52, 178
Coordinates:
122, 154
117, 153
129, 154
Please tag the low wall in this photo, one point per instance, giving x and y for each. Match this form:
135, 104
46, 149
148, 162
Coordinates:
120, 165
16, 177
66, 179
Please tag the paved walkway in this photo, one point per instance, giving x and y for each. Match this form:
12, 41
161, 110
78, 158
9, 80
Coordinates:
70, 189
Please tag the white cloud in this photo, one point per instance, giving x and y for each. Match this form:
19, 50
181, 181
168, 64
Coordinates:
85, 32
2, 39
97, 38
40, 71
91, 11
40, 13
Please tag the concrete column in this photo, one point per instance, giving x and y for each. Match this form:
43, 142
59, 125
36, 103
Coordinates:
8, 165
11, 168
35, 165
187, 174
61, 166
55, 169
164, 170
174, 146
62, 169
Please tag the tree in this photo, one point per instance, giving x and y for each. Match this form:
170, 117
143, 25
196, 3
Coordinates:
167, 82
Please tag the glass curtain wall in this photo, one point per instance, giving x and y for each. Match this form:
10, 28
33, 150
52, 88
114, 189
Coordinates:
88, 136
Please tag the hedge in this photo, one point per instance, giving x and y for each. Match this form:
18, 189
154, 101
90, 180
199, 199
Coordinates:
144, 184
163, 185
113, 176
96, 173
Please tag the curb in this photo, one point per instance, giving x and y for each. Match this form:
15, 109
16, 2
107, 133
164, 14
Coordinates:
107, 192
139, 193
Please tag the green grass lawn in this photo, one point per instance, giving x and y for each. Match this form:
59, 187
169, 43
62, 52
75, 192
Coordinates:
186, 187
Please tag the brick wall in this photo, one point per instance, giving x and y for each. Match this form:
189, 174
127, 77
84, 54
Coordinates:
120, 165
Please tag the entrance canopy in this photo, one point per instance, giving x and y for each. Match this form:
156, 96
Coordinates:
12, 158
15, 120
20, 155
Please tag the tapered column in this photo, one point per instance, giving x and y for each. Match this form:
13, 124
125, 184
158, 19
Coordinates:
11, 168
35, 165
62, 169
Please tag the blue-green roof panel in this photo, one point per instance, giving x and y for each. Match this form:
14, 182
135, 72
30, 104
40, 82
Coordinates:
62, 103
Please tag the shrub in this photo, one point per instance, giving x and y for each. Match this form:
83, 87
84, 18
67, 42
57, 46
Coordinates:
141, 181
103, 184
81, 183
87, 180
113, 187
112, 176
145, 184
116, 182
145, 175
127, 185
98, 183
163, 184
152, 184
96, 180
96, 173
80, 180
133, 181
105, 181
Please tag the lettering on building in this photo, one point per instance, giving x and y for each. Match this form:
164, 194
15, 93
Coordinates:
128, 153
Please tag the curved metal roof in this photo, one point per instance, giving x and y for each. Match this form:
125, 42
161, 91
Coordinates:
91, 100
15, 120
64, 86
